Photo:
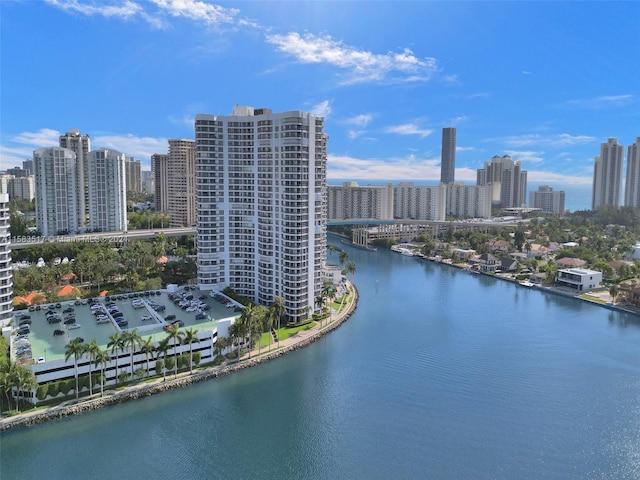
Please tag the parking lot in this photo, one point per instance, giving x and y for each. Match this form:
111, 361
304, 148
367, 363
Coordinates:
46, 319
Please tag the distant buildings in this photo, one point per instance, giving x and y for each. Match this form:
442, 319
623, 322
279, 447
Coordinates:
507, 180
261, 196
448, 158
57, 193
350, 200
132, 175
174, 179
607, 175
107, 190
547, 200
419, 202
6, 277
632, 185
79, 189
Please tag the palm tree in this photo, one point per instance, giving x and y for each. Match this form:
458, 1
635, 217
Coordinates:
24, 379
279, 311
331, 249
147, 347
235, 332
342, 257
131, 339
75, 348
162, 349
613, 291
92, 349
351, 268
115, 344
190, 337
247, 321
102, 358
174, 335
220, 345
267, 324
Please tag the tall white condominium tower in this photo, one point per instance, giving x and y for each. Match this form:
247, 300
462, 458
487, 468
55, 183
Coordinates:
107, 191
632, 186
448, 159
181, 183
547, 200
351, 201
607, 175
507, 180
6, 277
80, 145
56, 190
261, 196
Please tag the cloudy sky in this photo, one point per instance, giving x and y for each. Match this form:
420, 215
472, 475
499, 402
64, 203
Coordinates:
544, 82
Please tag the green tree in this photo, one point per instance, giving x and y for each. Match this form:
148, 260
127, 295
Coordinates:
131, 339
148, 348
220, 345
190, 337
115, 344
102, 358
75, 348
175, 338
161, 350
342, 257
23, 379
278, 311
92, 350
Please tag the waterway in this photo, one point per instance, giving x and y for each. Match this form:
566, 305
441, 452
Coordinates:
440, 374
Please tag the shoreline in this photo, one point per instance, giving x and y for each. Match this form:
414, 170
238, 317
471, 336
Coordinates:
134, 392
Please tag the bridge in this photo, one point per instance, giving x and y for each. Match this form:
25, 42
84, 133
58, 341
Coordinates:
96, 237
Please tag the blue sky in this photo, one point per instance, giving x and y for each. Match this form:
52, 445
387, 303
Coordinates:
544, 82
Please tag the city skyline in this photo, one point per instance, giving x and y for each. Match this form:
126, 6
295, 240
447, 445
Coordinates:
517, 79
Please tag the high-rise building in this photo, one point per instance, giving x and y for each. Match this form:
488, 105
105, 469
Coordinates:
448, 159
107, 191
6, 277
22, 188
632, 185
507, 180
28, 166
56, 191
547, 200
80, 145
132, 174
181, 183
160, 175
468, 201
607, 175
261, 202
419, 202
17, 172
352, 201
146, 177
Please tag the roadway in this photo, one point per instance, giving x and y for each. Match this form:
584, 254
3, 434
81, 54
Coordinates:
116, 237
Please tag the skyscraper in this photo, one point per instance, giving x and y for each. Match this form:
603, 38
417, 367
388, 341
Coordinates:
6, 277
160, 181
547, 200
132, 174
507, 179
80, 145
632, 185
261, 205
107, 190
56, 191
607, 175
181, 183
448, 159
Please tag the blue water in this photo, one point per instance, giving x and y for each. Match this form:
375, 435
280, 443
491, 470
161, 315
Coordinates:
440, 374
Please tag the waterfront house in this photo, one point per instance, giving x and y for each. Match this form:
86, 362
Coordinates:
485, 263
570, 262
579, 279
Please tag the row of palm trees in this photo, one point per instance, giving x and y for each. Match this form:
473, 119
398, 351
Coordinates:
348, 267
17, 376
253, 322
129, 340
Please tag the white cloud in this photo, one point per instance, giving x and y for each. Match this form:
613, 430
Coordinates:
361, 120
323, 108
45, 137
409, 167
558, 177
409, 129
361, 66
526, 156
604, 101
141, 148
195, 10
552, 141
125, 10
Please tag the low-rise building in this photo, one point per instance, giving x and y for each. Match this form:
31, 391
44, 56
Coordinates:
579, 279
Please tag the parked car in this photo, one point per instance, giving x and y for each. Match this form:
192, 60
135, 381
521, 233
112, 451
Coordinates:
200, 316
170, 317
58, 332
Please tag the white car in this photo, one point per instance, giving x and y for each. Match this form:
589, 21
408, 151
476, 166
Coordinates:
74, 326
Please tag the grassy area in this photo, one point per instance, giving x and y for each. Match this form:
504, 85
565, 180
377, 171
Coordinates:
593, 299
285, 332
